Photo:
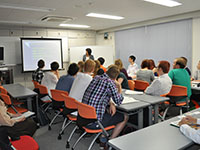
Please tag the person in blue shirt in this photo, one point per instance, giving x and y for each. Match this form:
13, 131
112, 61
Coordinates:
65, 82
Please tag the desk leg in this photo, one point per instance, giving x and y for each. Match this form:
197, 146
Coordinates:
29, 103
37, 106
140, 119
156, 112
150, 115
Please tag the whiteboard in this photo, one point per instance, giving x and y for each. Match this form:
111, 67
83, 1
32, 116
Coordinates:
12, 49
107, 52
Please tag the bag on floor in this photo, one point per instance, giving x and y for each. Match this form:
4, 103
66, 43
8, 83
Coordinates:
43, 118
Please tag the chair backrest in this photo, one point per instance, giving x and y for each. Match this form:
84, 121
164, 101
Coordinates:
164, 95
6, 99
35, 83
178, 90
141, 85
3, 90
86, 111
70, 102
131, 84
57, 95
43, 89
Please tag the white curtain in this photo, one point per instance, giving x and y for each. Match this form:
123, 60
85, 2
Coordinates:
158, 42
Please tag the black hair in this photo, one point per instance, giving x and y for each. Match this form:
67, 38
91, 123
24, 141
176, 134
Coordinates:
180, 64
41, 63
101, 60
73, 69
132, 57
89, 51
54, 66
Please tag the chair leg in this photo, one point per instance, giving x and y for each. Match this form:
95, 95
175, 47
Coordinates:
53, 120
72, 133
92, 143
165, 113
181, 111
73, 147
47, 107
63, 128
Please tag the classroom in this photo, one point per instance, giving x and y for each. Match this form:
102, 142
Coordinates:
90, 75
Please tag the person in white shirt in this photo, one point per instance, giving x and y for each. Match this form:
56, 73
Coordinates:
133, 67
161, 85
188, 131
197, 72
50, 79
82, 81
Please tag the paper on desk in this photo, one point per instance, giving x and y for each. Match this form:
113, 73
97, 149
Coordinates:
129, 100
26, 115
129, 92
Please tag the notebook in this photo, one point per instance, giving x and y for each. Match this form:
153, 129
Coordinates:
127, 100
26, 115
130, 92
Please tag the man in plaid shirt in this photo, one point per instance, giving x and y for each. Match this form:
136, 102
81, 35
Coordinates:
99, 93
39, 74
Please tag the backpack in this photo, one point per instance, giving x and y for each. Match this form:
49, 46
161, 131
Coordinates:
43, 118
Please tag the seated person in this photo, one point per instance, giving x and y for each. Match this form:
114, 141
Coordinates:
99, 93
88, 55
82, 81
65, 82
98, 70
161, 85
39, 74
119, 63
81, 66
15, 127
180, 76
188, 130
102, 60
197, 73
186, 68
144, 73
50, 79
152, 67
133, 67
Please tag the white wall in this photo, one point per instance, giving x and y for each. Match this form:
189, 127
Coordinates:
75, 38
195, 43
110, 41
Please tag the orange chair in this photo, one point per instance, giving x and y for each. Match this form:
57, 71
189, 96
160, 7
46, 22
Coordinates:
70, 106
11, 108
140, 85
57, 98
4, 91
177, 93
131, 84
44, 92
86, 112
25, 142
35, 83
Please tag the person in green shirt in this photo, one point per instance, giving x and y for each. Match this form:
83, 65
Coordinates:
180, 76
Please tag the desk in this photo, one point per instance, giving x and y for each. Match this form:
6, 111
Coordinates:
154, 101
133, 108
195, 90
156, 137
17, 91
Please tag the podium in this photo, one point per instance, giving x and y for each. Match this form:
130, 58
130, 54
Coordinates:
7, 73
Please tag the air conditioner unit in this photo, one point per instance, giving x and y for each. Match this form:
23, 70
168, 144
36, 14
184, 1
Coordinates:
56, 19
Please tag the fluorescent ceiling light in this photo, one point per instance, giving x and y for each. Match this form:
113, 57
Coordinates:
74, 25
104, 16
168, 3
24, 7
14, 22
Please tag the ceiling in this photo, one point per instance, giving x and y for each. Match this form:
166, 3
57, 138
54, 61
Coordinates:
133, 11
